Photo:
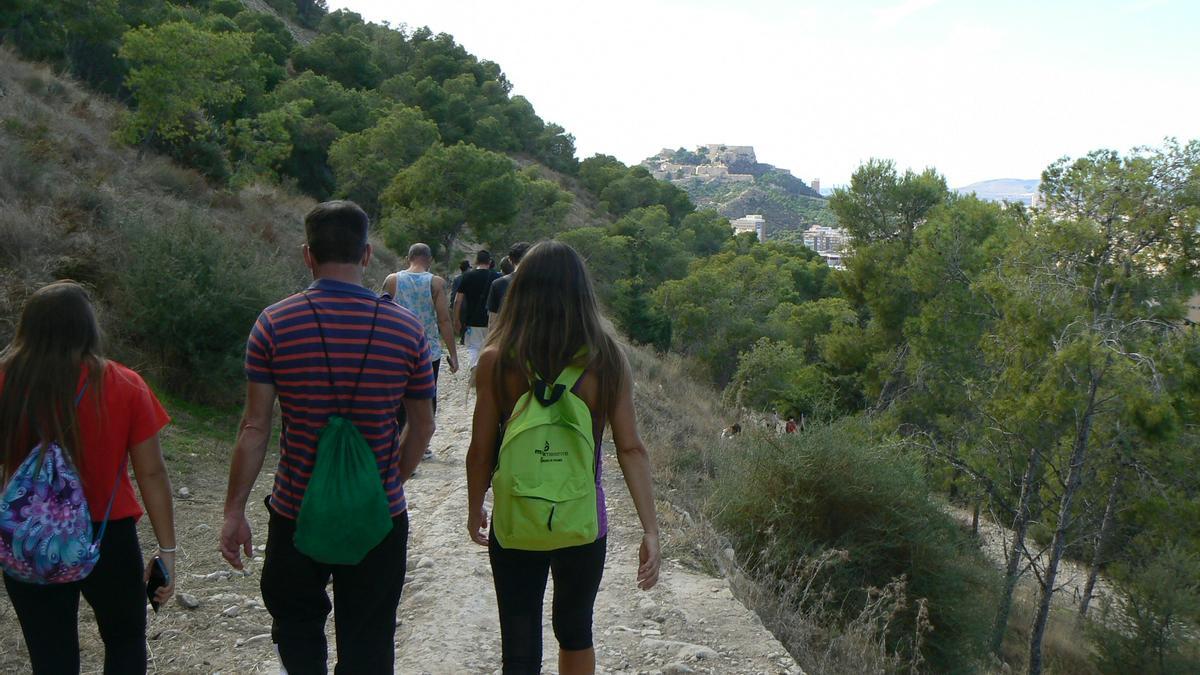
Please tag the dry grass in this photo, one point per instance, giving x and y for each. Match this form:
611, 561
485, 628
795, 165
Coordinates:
681, 420
70, 196
1066, 648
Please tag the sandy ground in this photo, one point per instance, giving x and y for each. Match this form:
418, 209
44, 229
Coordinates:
447, 621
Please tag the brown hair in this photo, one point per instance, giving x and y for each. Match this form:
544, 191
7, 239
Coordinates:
57, 335
549, 314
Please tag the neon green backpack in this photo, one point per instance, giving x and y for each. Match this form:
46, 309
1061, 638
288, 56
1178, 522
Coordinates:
545, 478
344, 512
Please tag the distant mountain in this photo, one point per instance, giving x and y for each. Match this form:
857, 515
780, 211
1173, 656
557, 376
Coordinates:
1003, 190
730, 179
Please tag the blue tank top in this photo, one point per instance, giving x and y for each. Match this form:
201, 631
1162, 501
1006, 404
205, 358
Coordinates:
414, 293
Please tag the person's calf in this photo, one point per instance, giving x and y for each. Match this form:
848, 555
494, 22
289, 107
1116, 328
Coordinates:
577, 661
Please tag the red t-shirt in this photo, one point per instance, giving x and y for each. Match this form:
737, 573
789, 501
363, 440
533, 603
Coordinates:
126, 414
130, 414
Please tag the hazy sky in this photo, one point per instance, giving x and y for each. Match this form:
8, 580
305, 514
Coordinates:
976, 89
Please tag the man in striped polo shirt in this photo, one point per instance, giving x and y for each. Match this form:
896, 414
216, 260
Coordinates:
336, 348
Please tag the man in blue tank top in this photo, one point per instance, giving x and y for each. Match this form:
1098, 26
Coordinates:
424, 294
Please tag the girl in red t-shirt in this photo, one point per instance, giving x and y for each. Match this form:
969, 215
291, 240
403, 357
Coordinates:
54, 356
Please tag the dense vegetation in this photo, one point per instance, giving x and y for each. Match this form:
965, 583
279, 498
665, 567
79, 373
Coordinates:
1038, 362
1032, 364
407, 123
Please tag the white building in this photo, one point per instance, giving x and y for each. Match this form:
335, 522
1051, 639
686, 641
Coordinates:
712, 170
829, 242
752, 223
832, 259
824, 239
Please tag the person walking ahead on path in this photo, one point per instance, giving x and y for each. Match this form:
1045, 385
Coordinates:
463, 267
500, 286
56, 387
472, 305
341, 360
550, 327
424, 294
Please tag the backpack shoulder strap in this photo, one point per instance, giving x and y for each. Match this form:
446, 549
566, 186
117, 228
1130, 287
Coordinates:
548, 394
570, 377
325, 349
366, 351
41, 447
573, 373
112, 497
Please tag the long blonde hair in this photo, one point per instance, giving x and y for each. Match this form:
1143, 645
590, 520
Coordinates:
548, 316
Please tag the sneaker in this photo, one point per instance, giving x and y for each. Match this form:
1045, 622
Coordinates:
428, 454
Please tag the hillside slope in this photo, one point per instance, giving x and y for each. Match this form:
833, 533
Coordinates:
75, 204
732, 181
303, 35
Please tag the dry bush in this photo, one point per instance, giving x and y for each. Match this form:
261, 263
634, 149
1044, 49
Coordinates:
681, 420
679, 417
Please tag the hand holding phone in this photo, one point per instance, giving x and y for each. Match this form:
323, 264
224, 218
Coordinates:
159, 577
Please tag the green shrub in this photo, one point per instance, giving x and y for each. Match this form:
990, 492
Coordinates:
784, 500
1154, 629
190, 293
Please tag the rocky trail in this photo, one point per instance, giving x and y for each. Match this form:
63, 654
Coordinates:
447, 620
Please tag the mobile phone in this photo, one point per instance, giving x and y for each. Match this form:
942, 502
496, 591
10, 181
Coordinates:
158, 579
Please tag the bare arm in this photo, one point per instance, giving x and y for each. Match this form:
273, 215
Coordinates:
635, 465
417, 431
389, 285
155, 486
248, 454
459, 318
441, 302
485, 427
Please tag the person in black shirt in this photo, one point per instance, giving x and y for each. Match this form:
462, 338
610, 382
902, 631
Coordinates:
471, 305
500, 286
462, 269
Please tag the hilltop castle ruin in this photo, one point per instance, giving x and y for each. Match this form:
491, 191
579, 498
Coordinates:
736, 163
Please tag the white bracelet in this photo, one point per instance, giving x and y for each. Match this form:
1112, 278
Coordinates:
167, 550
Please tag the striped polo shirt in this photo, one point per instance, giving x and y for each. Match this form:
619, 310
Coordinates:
285, 350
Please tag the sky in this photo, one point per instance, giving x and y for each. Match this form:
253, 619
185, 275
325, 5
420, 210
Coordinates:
976, 89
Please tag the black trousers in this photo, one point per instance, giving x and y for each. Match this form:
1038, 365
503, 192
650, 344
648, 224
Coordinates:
520, 578
365, 599
49, 614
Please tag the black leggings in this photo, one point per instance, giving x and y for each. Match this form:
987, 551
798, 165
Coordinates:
520, 578
49, 614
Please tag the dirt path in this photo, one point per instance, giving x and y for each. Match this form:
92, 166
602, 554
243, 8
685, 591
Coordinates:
995, 541
447, 620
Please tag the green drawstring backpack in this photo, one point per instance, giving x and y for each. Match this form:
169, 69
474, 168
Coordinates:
545, 478
345, 512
